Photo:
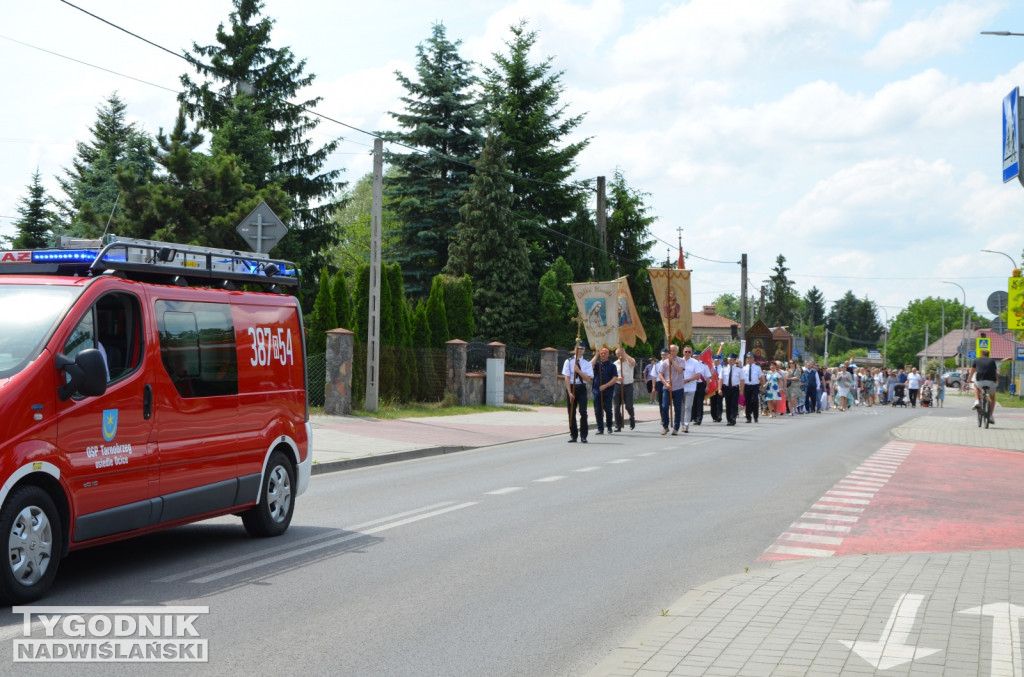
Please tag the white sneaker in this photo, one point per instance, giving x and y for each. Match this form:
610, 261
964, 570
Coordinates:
975, 405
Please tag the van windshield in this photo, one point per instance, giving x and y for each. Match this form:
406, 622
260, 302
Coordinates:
28, 316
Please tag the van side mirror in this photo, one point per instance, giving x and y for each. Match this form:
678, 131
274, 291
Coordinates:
87, 374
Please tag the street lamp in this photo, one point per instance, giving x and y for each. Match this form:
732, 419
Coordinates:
963, 325
992, 251
885, 339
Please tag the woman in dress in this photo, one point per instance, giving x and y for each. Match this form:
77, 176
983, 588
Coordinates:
773, 388
792, 379
842, 383
869, 387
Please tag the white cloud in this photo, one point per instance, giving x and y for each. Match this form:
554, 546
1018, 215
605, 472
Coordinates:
946, 29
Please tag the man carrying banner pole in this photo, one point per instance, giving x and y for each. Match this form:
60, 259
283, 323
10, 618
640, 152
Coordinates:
578, 374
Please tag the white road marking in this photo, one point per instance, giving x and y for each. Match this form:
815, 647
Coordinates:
855, 494
292, 544
590, 469
620, 460
827, 516
840, 508
263, 561
837, 528
553, 478
506, 490
802, 552
811, 538
649, 453
851, 501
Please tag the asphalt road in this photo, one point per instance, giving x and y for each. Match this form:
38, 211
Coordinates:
534, 558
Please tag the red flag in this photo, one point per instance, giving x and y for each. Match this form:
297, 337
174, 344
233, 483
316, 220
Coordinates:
712, 386
681, 265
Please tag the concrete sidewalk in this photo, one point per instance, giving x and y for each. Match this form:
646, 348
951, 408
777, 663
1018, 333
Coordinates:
905, 614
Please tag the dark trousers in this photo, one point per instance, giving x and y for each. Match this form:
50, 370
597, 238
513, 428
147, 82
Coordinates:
731, 395
697, 410
578, 405
716, 408
811, 401
624, 399
603, 408
913, 396
676, 399
752, 395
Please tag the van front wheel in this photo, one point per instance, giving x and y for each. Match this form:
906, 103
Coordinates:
272, 515
31, 525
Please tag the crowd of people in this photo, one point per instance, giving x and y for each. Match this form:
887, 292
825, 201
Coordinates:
679, 385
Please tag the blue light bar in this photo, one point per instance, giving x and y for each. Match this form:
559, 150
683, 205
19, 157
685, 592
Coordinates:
64, 256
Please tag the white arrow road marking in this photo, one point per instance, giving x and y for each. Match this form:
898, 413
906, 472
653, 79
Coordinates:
892, 649
1006, 659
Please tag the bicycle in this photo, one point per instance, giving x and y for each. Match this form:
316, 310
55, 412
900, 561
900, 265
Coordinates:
984, 416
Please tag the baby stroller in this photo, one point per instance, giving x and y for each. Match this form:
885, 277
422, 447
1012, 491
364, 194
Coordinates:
899, 395
926, 396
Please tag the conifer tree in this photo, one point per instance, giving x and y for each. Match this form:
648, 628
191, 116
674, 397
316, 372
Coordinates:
437, 314
342, 301
443, 119
424, 353
525, 109
322, 318
557, 307
35, 227
245, 96
91, 185
489, 249
458, 305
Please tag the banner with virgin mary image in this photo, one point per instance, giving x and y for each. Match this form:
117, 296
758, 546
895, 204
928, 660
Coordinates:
630, 327
597, 303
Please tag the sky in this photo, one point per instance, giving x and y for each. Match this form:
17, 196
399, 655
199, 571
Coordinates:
859, 139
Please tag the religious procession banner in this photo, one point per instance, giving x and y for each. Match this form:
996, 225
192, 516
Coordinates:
630, 327
672, 292
597, 303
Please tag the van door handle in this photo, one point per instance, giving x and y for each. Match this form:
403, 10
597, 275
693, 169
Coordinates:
147, 402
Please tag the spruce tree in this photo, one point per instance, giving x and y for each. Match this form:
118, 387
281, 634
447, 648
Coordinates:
443, 119
91, 185
524, 108
780, 308
424, 353
244, 95
557, 307
35, 227
489, 249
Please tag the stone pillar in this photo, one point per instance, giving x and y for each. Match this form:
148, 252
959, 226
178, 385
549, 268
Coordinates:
338, 384
455, 380
550, 385
497, 350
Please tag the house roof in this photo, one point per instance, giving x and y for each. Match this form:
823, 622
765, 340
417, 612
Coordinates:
707, 318
1002, 347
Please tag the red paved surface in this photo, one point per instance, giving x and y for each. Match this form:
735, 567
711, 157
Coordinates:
940, 498
945, 498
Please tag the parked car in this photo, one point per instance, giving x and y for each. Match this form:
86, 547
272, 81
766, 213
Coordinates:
952, 379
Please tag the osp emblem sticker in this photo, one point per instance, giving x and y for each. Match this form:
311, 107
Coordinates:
109, 424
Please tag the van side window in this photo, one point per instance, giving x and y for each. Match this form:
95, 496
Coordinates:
197, 347
113, 325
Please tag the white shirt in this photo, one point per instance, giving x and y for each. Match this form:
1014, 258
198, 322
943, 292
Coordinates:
751, 374
585, 368
731, 375
693, 369
914, 381
625, 371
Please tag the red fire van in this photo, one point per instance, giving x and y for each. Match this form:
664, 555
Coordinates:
144, 385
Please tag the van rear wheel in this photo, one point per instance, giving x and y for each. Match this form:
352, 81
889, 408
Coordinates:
272, 515
30, 522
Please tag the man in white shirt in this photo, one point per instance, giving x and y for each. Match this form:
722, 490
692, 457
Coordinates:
752, 378
626, 365
693, 371
914, 381
731, 389
578, 373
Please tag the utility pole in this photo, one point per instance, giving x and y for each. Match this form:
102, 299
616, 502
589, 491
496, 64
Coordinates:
760, 309
373, 338
743, 295
602, 216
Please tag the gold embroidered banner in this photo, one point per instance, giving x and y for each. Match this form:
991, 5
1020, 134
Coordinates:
672, 292
597, 303
630, 327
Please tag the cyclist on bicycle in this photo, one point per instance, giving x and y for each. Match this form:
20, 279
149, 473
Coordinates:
985, 369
